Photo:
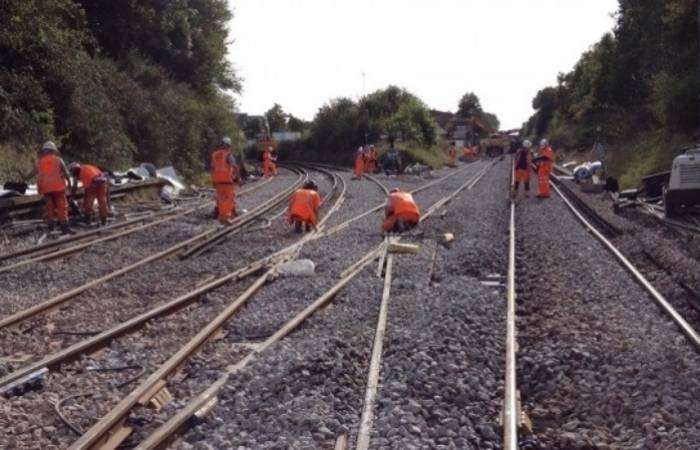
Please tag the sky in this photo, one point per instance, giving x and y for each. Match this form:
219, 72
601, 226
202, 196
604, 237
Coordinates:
303, 53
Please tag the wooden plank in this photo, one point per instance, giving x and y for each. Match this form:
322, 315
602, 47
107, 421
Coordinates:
397, 247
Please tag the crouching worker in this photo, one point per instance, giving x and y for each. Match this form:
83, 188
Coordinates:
95, 187
402, 212
303, 207
52, 180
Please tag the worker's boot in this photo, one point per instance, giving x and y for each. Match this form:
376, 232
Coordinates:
297, 226
52, 226
400, 227
87, 219
65, 228
103, 221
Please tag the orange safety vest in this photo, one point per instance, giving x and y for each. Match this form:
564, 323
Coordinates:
50, 177
267, 156
402, 203
304, 205
548, 153
88, 173
221, 170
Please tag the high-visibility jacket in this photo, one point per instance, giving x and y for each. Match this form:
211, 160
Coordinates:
402, 203
88, 173
548, 154
523, 159
222, 169
50, 176
267, 155
304, 205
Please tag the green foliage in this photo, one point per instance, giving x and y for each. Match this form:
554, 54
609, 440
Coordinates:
116, 82
642, 79
276, 118
469, 106
412, 121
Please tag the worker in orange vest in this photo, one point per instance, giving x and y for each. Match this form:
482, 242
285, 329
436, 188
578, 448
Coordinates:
452, 152
372, 157
545, 162
269, 166
52, 181
360, 162
303, 207
95, 187
401, 212
522, 162
224, 173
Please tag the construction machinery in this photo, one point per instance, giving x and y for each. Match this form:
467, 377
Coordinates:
500, 143
683, 190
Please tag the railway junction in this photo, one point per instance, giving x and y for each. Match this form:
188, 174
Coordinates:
495, 324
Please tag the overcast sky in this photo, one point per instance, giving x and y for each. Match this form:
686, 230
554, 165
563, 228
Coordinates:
302, 53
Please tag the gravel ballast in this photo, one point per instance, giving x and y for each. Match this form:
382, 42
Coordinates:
600, 366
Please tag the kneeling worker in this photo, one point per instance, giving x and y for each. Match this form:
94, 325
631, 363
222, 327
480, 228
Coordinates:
402, 212
303, 207
95, 187
224, 172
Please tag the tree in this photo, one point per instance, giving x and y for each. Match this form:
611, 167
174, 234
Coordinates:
413, 121
276, 118
296, 124
469, 106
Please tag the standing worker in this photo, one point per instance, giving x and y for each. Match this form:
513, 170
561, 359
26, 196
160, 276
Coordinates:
371, 165
544, 161
95, 186
303, 207
452, 152
522, 160
224, 173
401, 212
52, 180
269, 166
359, 163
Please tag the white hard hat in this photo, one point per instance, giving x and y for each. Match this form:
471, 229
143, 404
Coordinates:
226, 141
544, 143
360, 149
527, 144
49, 146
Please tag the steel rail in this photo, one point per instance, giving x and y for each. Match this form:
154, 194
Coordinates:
101, 431
685, 327
59, 299
243, 220
103, 338
164, 432
70, 250
208, 396
606, 227
367, 418
379, 207
511, 409
80, 236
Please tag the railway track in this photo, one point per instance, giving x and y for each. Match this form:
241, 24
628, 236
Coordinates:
513, 419
206, 397
97, 341
61, 299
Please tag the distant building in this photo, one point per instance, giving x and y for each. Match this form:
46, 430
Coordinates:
458, 130
286, 136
